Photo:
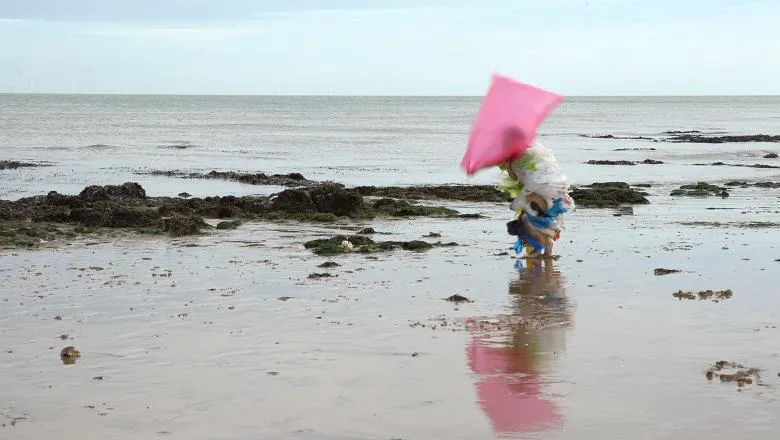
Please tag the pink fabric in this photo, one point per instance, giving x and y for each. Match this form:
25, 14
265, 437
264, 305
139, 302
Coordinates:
509, 391
506, 123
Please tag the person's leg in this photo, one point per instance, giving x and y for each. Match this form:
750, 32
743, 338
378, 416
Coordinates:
548, 247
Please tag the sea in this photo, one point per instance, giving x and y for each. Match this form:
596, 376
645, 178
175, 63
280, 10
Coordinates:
245, 334
111, 139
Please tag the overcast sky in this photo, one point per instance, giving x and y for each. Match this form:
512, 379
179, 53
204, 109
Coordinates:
411, 47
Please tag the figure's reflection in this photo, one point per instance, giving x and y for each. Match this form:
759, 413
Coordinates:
511, 354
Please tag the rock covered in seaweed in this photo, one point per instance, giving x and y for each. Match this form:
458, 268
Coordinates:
608, 194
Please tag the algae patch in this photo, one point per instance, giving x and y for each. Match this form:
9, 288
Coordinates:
704, 295
732, 372
700, 189
608, 195
342, 244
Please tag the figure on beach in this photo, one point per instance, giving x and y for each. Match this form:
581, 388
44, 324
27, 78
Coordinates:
504, 135
540, 197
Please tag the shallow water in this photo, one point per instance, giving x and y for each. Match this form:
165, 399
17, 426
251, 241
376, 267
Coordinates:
224, 336
192, 341
374, 141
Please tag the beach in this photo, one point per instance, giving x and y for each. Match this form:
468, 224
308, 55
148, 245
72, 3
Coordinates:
657, 319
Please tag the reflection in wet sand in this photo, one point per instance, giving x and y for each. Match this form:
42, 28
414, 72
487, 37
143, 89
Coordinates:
511, 354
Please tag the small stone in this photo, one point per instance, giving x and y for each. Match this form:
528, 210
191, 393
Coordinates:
229, 224
69, 355
662, 271
456, 298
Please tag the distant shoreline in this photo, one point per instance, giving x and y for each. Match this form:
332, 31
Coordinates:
379, 96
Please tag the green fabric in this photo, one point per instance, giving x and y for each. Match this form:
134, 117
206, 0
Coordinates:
509, 185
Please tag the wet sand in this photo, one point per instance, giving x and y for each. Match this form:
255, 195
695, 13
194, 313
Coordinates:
225, 335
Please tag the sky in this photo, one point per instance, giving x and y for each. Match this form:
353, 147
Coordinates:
384, 47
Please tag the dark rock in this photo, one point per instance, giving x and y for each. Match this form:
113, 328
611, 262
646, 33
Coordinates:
701, 139
468, 193
623, 162
607, 195
701, 189
610, 162
69, 354
128, 206
661, 271
331, 199
771, 156
126, 191
229, 224
457, 298
402, 208
316, 276
185, 194
335, 199
293, 201
611, 136
367, 231
416, 245
329, 264
364, 245
742, 184
180, 225
608, 185
14, 165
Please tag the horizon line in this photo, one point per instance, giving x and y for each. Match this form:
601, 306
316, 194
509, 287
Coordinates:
315, 95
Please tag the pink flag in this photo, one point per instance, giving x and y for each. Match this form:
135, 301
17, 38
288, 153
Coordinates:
507, 122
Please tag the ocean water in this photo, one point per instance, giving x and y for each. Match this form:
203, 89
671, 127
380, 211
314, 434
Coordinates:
181, 336
95, 139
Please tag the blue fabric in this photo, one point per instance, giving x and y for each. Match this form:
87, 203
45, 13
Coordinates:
557, 208
546, 221
525, 240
